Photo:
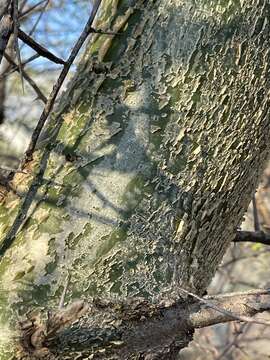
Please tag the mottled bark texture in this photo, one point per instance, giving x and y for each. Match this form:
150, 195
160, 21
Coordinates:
164, 134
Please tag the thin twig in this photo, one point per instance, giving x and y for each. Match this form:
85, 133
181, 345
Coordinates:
244, 257
31, 82
233, 342
16, 38
15, 67
265, 291
51, 100
32, 8
41, 12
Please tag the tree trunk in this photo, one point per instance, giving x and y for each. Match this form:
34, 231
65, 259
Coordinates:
160, 141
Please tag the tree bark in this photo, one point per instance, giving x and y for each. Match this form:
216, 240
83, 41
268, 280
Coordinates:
162, 137
6, 24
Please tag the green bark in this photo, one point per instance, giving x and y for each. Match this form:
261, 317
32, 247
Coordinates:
163, 137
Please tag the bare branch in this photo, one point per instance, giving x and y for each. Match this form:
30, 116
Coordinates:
15, 67
31, 82
37, 7
51, 100
41, 12
16, 38
239, 306
42, 51
252, 236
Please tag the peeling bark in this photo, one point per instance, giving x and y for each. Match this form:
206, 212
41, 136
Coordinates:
162, 137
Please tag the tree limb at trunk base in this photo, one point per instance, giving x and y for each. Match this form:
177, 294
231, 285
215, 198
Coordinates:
132, 329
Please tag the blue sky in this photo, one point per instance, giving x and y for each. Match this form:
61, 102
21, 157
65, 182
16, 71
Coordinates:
57, 30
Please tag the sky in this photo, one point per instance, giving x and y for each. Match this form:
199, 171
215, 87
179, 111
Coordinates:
57, 29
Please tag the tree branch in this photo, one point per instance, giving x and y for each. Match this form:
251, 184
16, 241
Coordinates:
230, 307
15, 67
120, 330
51, 100
30, 81
42, 51
252, 236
